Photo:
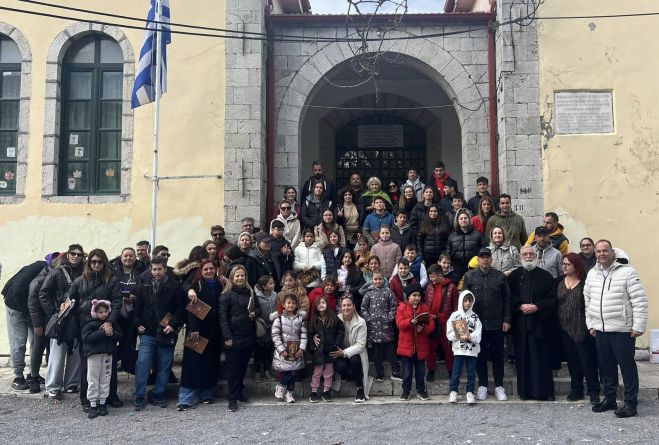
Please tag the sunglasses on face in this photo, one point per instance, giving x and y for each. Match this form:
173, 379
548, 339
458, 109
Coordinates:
95, 262
285, 208
165, 255
76, 254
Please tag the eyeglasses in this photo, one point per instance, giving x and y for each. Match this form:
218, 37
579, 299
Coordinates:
164, 255
96, 261
567, 264
76, 254
585, 245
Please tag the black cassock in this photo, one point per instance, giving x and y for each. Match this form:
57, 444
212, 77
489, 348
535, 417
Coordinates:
533, 334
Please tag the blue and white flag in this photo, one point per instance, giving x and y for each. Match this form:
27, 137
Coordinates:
144, 90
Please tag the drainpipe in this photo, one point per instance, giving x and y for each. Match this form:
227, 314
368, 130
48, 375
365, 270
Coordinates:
491, 70
270, 124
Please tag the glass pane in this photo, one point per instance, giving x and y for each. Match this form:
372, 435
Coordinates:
9, 52
7, 177
77, 177
112, 85
109, 175
82, 51
111, 52
11, 84
110, 145
79, 115
80, 85
111, 114
80, 151
9, 115
8, 140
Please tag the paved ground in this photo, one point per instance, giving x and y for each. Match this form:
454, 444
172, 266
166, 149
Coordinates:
34, 420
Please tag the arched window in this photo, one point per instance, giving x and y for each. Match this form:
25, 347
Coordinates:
10, 89
90, 132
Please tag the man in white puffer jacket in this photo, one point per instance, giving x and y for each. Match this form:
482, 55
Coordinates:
616, 313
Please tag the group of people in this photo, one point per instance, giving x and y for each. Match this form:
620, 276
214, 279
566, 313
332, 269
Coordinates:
338, 280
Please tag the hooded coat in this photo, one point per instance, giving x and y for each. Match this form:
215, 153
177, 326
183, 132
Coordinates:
557, 238
470, 347
410, 341
379, 310
292, 228
309, 257
287, 328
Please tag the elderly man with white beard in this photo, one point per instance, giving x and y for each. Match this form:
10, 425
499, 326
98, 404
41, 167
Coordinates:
534, 320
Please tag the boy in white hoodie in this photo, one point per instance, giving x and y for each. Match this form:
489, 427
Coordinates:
466, 345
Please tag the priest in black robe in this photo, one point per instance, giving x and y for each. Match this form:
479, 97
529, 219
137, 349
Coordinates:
534, 317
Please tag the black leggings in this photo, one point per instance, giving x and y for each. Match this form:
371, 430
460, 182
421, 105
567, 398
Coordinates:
351, 368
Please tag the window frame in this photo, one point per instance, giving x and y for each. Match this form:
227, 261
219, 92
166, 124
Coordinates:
97, 69
11, 67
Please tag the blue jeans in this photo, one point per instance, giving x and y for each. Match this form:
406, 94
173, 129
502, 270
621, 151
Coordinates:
149, 348
413, 364
186, 396
288, 380
470, 363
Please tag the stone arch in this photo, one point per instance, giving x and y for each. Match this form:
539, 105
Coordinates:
24, 111
51, 139
429, 58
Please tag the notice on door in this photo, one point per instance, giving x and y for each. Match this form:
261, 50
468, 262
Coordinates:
583, 112
380, 136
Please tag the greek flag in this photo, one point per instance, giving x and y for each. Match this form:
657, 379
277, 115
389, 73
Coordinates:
144, 90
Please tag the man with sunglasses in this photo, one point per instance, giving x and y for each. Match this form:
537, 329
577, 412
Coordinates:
218, 236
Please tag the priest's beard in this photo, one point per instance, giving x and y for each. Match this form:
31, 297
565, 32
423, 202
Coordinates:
530, 265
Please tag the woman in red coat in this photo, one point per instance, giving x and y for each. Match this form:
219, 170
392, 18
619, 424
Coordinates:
413, 340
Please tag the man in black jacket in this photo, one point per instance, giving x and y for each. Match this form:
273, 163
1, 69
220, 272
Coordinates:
16, 292
401, 232
492, 293
159, 315
269, 263
318, 176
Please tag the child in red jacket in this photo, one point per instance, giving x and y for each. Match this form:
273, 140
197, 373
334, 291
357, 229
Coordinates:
401, 279
414, 325
442, 297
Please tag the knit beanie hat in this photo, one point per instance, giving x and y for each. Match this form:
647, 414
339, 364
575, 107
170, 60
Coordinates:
411, 288
96, 303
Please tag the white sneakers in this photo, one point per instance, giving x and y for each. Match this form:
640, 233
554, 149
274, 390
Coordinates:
279, 392
482, 393
470, 398
289, 397
500, 393
453, 397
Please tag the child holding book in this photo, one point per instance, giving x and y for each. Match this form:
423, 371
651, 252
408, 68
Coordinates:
326, 333
414, 326
98, 346
463, 328
289, 334
379, 310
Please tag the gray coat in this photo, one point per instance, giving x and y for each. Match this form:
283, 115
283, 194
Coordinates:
505, 257
379, 310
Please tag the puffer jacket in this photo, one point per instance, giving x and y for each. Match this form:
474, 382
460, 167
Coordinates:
557, 238
410, 341
94, 340
331, 338
418, 215
397, 285
493, 298
464, 246
379, 310
431, 245
55, 287
388, 252
235, 323
287, 328
268, 305
505, 257
332, 257
84, 290
37, 313
312, 210
403, 235
292, 228
617, 301
309, 257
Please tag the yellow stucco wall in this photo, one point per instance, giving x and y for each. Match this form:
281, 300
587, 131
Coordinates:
191, 143
605, 186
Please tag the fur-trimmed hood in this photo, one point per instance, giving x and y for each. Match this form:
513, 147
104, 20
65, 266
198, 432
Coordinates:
184, 267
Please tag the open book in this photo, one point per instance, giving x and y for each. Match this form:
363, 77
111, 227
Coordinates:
422, 318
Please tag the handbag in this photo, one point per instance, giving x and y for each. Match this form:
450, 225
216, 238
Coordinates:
62, 325
261, 330
307, 277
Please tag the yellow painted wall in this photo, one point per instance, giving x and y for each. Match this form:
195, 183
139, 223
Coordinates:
605, 186
191, 143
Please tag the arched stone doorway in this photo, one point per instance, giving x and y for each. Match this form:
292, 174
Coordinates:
315, 105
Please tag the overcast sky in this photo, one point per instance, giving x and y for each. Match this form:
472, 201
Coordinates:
341, 6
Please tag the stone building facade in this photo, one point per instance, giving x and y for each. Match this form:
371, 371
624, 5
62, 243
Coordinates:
453, 65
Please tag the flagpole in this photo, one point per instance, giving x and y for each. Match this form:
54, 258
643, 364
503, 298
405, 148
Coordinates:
156, 127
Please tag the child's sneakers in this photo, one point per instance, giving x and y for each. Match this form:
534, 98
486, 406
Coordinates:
315, 398
279, 392
289, 397
327, 395
453, 397
500, 392
482, 393
470, 398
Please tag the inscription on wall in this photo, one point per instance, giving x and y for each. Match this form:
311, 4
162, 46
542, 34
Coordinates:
583, 112
380, 136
